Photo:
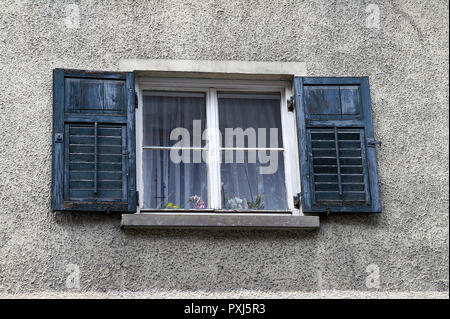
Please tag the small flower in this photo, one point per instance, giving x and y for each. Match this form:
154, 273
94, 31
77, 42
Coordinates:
197, 202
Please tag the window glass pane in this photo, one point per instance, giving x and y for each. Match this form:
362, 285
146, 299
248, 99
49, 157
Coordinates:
171, 185
253, 112
165, 111
247, 183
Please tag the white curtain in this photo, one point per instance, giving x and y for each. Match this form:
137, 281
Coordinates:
165, 181
243, 181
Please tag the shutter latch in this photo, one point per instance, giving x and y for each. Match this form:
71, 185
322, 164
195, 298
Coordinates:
290, 104
297, 201
373, 143
59, 137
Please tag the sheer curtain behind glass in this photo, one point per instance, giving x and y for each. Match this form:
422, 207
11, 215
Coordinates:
168, 184
246, 184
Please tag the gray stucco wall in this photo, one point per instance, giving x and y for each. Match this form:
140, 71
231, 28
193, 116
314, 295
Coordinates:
406, 59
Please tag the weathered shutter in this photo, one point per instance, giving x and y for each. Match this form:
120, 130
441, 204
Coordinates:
94, 156
336, 144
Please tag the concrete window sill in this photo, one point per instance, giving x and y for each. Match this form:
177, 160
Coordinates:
169, 220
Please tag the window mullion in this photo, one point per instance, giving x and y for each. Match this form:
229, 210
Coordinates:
212, 113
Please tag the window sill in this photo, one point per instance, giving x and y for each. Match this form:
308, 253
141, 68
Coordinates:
184, 211
165, 220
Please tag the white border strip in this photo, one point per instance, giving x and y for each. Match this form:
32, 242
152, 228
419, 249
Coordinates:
209, 66
237, 294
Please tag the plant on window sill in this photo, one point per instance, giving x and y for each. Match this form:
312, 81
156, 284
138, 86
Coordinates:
235, 202
257, 203
170, 205
239, 203
195, 201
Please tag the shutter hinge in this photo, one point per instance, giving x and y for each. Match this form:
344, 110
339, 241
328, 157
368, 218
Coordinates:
373, 143
297, 200
137, 198
290, 104
136, 101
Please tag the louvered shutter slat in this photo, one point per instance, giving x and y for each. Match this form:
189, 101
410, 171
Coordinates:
105, 155
339, 178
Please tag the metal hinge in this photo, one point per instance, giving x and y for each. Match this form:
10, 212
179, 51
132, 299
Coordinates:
136, 100
290, 104
297, 200
373, 143
137, 198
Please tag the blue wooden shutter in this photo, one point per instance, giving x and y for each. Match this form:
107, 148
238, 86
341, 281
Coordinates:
336, 144
94, 155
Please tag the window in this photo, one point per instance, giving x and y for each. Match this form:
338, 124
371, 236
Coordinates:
270, 150
217, 145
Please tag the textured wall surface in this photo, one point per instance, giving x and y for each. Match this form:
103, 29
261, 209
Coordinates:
406, 58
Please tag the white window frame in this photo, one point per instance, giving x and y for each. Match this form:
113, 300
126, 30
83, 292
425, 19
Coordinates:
210, 87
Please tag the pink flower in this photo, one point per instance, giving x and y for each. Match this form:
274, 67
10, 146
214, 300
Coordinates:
197, 202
